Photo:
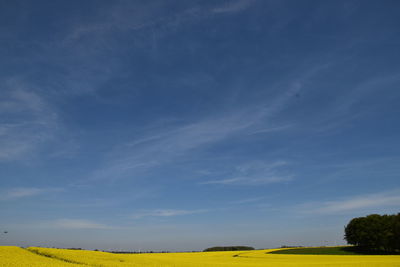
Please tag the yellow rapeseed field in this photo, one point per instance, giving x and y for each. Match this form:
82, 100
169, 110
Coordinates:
13, 256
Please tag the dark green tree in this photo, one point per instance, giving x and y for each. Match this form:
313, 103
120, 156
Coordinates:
375, 232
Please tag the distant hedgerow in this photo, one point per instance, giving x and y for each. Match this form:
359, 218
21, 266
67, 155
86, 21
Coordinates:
228, 248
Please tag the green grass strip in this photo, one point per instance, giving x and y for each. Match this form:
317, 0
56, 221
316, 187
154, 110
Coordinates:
343, 250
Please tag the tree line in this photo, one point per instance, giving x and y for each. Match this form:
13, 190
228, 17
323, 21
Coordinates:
229, 248
375, 232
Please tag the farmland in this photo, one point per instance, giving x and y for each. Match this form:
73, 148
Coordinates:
14, 256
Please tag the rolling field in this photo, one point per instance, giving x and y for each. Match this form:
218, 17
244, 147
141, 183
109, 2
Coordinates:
14, 256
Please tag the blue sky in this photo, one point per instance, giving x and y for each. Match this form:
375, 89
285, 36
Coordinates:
179, 125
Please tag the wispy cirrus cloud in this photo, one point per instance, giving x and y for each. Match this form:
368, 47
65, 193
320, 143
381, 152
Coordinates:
250, 180
130, 18
166, 213
171, 144
27, 121
247, 200
354, 203
255, 173
358, 101
273, 129
367, 89
233, 6
174, 142
26, 192
127, 17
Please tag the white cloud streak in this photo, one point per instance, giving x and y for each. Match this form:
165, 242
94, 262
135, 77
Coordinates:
166, 213
247, 200
233, 6
168, 145
356, 203
25, 192
26, 121
355, 102
255, 173
251, 180
346, 103
127, 17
